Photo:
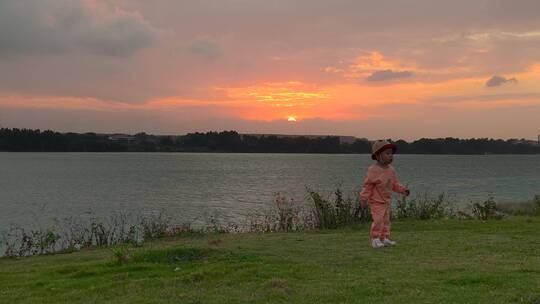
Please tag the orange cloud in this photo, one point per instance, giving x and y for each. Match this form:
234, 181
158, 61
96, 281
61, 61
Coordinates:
374, 61
367, 63
270, 101
278, 93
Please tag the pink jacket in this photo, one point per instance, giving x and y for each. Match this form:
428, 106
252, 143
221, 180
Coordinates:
379, 184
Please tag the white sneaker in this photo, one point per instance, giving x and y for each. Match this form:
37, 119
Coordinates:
376, 243
387, 242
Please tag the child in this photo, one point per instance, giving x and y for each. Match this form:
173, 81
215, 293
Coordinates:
377, 191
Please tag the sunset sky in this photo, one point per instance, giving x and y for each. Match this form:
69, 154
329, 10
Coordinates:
376, 69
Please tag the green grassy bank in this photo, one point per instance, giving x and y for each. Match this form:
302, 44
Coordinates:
440, 261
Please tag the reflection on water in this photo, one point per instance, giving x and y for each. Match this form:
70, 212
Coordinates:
37, 187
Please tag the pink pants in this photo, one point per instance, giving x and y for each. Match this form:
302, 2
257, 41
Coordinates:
380, 213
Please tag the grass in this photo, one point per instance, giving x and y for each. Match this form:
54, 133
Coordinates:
436, 261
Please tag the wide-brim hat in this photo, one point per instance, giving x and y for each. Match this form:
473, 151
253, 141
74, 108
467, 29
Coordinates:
381, 145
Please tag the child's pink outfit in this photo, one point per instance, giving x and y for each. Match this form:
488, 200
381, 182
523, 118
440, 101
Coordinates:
378, 186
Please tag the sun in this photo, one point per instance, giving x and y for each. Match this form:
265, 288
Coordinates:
291, 118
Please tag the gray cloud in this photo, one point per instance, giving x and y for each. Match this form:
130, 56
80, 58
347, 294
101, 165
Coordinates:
496, 81
463, 39
388, 75
61, 26
483, 98
205, 48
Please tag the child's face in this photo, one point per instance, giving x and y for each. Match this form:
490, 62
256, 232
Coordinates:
386, 157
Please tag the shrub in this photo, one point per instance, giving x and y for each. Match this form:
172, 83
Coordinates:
74, 233
288, 213
536, 202
45, 241
155, 226
323, 211
424, 207
18, 242
341, 212
121, 254
486, 210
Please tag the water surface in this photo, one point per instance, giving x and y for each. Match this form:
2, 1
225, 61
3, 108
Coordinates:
191, 187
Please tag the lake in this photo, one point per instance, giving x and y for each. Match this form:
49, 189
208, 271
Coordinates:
36, 188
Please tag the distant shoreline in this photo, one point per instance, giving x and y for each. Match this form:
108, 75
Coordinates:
297, 153
26, 140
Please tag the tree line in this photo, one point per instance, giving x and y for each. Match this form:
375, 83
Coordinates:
28, 140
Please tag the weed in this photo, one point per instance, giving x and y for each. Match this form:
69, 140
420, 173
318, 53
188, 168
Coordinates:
71, 234
155, 226
45, 241
424, 207
331, 215
288, 213
121, 254
486, 210
323, 211
536, 202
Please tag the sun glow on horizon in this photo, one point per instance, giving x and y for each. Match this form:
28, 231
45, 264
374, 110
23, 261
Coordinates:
291, 118
279, 93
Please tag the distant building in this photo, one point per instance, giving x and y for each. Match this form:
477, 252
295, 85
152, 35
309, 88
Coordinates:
121, 137
342, 139
524, 141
